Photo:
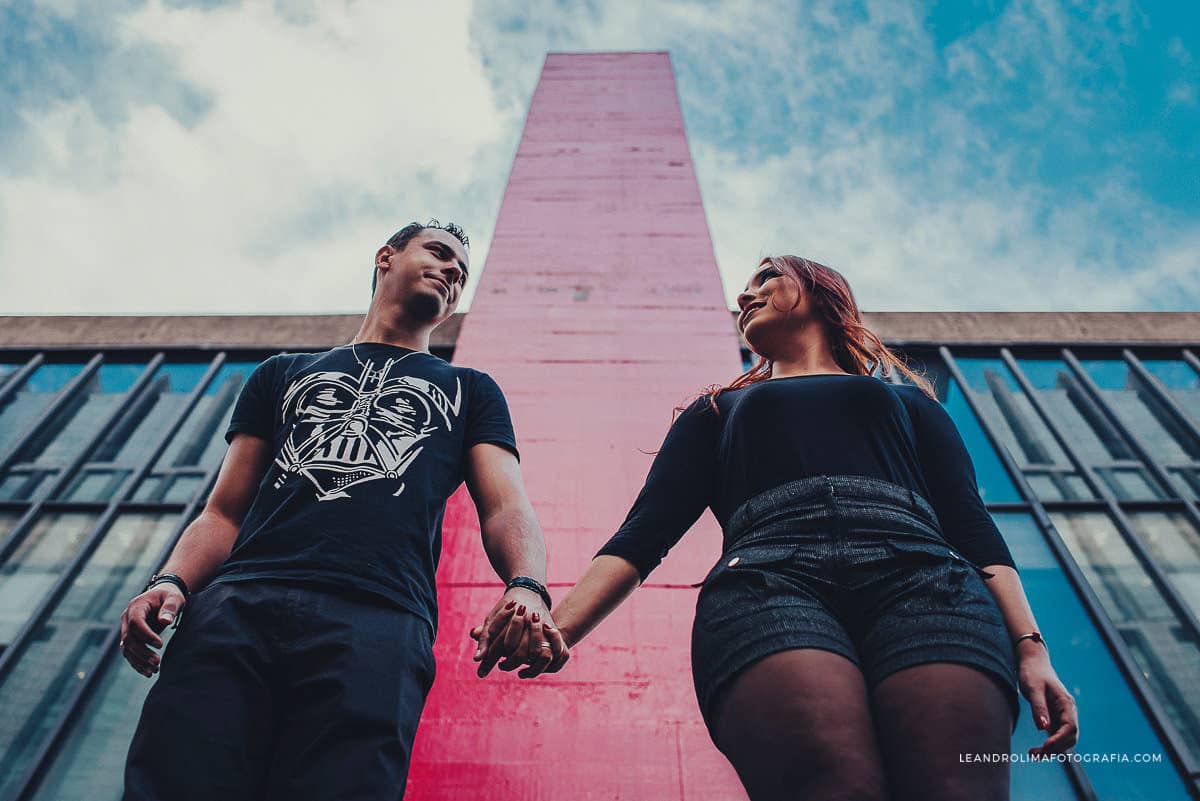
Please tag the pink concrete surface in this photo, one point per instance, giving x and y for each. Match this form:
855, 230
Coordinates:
599, 310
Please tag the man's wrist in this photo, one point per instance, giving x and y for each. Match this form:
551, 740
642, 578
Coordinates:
524, 594
172, 579
534, 586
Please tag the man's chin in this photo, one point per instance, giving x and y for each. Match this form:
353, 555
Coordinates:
427, 307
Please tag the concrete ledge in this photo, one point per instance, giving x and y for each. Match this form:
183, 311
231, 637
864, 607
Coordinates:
198, 331
1028, 328
327, 330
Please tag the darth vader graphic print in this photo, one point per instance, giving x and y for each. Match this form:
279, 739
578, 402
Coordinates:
347, 429
367, 445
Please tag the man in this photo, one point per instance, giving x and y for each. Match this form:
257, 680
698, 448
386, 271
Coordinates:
300, 670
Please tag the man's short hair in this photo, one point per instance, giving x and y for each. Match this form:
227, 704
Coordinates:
401, 238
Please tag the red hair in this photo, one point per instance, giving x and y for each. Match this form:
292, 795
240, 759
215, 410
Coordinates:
856, 349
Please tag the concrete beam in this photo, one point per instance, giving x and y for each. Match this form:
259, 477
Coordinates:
327, 330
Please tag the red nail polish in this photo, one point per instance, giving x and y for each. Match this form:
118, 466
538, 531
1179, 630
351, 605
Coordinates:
510, 604
521, 609
535, 617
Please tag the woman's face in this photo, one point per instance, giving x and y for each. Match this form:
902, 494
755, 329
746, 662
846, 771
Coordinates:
770, 315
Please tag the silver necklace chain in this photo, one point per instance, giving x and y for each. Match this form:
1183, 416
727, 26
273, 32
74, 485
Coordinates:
354, 352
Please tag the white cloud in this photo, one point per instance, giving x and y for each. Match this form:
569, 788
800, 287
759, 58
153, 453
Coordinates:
792, 115
904, 250
323, 137
1182, 94
329, 126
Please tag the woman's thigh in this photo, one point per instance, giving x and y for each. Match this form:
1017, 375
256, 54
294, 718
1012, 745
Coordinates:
927, 717
797, 725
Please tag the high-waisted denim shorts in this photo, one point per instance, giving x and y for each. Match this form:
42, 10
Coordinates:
850, 564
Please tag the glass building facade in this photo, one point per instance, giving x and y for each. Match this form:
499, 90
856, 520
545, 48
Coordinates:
1087, 456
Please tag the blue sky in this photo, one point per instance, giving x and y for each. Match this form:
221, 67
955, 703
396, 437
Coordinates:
163, 157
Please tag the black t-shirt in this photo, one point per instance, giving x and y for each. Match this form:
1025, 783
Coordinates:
785, 429
368, 444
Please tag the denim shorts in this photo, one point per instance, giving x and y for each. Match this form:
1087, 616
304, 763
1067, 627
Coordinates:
850, 564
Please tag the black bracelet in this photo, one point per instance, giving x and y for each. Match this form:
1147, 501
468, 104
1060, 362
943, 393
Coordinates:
1036, 636
168, 578
527, 583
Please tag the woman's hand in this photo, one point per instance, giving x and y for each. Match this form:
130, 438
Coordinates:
519, 635
1052, 706
510, 634
548, 650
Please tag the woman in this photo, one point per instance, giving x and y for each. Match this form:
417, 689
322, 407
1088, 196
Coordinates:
846, 645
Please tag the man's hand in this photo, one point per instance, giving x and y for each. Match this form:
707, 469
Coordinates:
142, 621
519, 630
203, 546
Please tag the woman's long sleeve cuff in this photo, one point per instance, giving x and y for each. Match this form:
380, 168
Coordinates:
642, 564
989, 551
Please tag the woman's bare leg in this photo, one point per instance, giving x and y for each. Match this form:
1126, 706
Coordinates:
797, 725
927, 716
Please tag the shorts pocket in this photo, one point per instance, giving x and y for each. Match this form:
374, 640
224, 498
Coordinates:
934, 579
739, 561
745, 582
933, 551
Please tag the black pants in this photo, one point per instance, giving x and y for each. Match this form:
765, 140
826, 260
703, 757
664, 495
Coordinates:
273, 690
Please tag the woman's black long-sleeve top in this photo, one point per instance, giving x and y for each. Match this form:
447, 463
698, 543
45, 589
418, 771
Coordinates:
784, 429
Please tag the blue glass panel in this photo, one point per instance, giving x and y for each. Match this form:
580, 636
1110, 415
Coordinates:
1150, 421
24, 405
995, 486
224, 394
1111, 720
119, 378
44, 551
1174, 544
132, 439
1021, 430
7, 521
90, 763
1099, 443
1164, 649
50, 378
48, 671
1180, 380
66, 647
60, 440
199, 444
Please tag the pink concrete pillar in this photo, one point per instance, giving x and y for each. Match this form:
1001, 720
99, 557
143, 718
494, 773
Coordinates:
599, 310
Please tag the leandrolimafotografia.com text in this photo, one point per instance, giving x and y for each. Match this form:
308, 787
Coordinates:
1084, 757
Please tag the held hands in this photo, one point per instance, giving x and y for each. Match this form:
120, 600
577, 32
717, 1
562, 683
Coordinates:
143, 619
1052, 705
520, 631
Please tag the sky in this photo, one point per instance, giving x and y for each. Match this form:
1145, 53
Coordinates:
250, 157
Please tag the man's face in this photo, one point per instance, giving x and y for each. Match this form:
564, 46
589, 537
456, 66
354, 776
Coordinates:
428, 276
